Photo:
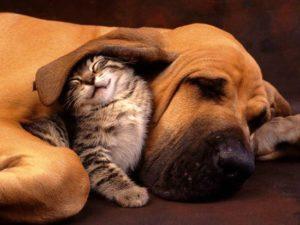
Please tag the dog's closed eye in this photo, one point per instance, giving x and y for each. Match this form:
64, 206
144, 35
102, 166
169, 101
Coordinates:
211, 89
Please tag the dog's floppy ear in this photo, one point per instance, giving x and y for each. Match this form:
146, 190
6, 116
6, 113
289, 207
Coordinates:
279, 106
143, 45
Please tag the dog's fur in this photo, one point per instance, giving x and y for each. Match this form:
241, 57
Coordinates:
41, 183
280, 130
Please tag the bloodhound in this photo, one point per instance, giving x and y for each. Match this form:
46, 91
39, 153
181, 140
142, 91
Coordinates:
209, 96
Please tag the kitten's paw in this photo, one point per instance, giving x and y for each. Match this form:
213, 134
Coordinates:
134, 196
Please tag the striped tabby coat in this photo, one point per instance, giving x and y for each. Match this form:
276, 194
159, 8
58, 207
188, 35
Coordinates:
52, 130
110, 107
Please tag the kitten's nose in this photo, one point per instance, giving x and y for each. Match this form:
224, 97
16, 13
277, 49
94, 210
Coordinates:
102, 82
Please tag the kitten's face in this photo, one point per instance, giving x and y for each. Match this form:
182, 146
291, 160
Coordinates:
96, 82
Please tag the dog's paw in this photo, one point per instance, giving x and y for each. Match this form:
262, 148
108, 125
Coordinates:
265, 139
134, 196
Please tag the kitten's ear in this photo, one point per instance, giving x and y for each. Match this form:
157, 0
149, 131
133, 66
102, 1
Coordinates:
144, 45
279, 106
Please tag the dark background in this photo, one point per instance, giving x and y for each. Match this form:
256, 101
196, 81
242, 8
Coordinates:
269, 29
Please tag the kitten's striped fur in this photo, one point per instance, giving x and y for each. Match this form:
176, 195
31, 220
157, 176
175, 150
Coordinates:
51, 130
111, 108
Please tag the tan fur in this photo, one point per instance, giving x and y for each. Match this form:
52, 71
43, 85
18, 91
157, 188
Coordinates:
40, 183
278, 130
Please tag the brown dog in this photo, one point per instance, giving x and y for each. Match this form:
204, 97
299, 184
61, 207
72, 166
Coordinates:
208, 91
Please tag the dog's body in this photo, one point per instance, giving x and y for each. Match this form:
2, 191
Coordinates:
27, 163
40, 183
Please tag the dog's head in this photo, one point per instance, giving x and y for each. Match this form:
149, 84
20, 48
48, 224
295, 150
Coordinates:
209, 96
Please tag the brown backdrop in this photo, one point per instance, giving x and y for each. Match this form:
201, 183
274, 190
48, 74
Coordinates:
269, 29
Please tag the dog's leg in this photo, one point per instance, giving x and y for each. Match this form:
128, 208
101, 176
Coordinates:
278, 130
38, 182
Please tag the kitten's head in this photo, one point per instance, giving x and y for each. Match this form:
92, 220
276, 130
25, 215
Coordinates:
97, 81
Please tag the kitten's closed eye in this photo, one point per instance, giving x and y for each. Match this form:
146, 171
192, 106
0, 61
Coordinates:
96, 66
75, 81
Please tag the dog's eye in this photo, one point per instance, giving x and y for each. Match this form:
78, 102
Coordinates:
212, 89
258, 121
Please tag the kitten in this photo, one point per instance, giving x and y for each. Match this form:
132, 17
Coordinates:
52, 130
110, 108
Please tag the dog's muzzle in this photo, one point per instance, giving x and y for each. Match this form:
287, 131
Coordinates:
200, 169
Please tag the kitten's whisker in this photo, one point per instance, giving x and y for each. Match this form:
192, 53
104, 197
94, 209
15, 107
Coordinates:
72, 99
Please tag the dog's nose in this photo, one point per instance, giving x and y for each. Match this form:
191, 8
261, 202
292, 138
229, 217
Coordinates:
210, 167
235, 160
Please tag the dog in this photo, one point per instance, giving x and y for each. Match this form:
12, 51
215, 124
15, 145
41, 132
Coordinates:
209, 95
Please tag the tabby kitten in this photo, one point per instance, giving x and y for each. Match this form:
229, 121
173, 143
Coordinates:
111, 108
